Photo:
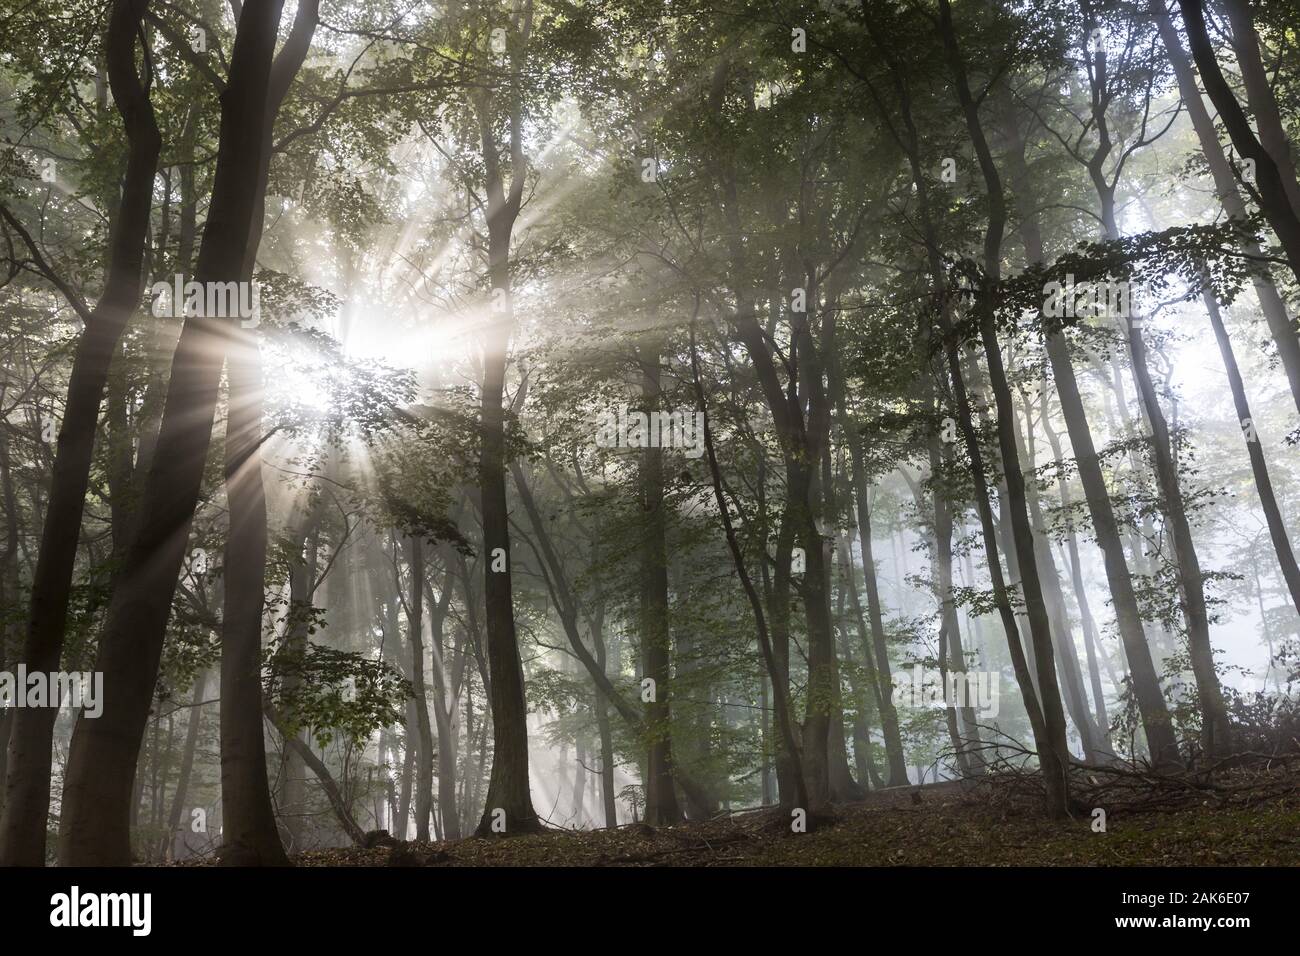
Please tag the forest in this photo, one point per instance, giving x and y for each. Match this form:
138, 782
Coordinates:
618, 432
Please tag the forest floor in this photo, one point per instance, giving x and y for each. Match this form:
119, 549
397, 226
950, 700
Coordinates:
1241, 818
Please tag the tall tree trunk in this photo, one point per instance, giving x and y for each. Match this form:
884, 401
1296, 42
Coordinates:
801, 450
508, 797
821, 709
1191, 585
409, 752
661, 799
909, 142
766, 781
249, 828
1053, 753
1086, 621
94, 827
303, 551
601, 706
778, 611
1259, 97
1215, 729
579, 780
864, 696
843, 787
952, 657
26, 806
1154, 713
607, 795
1255, 451
894, 755
1067, 655
799, 795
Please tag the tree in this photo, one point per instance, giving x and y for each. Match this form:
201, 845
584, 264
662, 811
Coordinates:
94, 825
27, 798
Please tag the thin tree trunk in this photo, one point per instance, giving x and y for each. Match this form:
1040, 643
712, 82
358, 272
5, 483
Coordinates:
579, 780
780, 678
444, 706
908, 140
778, 610
1053, 753
408, 771
338, 803
607, 795
661, 799
952, 656
415, 625
1154, 713
1215, 730
1080, 591
1255, 451
567, 610
897, 773
1067, 655
187, 766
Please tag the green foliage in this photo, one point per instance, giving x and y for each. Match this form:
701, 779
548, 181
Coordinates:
330, 693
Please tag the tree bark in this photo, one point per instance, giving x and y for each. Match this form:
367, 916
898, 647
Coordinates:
508, 790
1067, 655
1086, 621
1215, 730
894, 755
26, 807
1255, 451
1156, 722
1053, 753
94, 828
249, 827
415, 627
249, 830
952, 657
446, 694
187, 765
661, 799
